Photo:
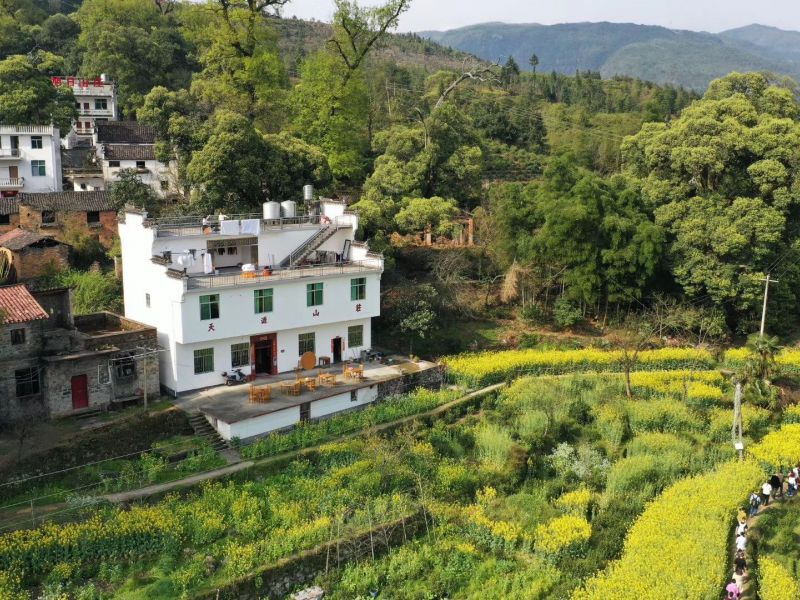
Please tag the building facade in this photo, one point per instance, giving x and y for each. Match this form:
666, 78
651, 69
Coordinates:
96, 101
130, 145
81, 170
249, 293
62, 215
30, 159
55, 365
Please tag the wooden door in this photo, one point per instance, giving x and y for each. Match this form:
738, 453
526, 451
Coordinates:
80, 391
13, 171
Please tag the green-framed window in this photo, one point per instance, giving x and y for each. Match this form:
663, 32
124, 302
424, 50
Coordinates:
263, 300
38, 168
203, 360
358, 288
240, 354
305, 343
209, 307
314, 294
355, 336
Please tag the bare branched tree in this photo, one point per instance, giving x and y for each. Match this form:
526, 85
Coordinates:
243, 31
357, 29
470, 73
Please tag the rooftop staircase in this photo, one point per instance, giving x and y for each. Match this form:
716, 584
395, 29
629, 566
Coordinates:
315, 241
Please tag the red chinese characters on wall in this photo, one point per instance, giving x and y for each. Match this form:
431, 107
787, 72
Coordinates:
211, 327
358, 307
264, 320
56, 81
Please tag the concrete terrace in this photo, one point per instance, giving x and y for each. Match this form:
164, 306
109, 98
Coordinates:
231, 404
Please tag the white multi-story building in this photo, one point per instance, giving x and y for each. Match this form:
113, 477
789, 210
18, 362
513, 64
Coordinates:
96, 101
249, 292
30, 159
131, 145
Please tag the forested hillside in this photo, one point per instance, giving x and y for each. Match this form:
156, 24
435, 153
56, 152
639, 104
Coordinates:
574, 218
686, 58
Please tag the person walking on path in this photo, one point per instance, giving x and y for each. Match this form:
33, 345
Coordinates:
777, 485
739, 568
766, 492
791, 483
755, 502
741, 542
734, 591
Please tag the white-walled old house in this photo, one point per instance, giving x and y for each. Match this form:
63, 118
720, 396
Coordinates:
30, 159
96, 101
131, 145
253, 293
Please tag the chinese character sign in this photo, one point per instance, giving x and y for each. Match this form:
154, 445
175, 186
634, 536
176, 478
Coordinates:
56, 81
211, 327
358, 307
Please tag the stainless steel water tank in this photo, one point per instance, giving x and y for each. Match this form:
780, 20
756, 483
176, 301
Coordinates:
308, 193
272, 210
288, 209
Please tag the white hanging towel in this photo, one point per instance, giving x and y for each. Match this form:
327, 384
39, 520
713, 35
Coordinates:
208, 265
251, 226
229, 227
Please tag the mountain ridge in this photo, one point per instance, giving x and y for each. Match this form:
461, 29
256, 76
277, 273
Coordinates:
652, 52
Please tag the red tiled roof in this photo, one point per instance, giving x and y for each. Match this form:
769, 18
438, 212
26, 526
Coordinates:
18, 306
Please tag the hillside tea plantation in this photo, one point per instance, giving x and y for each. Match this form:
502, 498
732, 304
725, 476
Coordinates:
557, 486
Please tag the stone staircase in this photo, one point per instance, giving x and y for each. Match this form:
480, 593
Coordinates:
315, 241
202, 428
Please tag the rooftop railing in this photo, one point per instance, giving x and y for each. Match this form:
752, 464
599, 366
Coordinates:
210, 226
373, 263
14, 129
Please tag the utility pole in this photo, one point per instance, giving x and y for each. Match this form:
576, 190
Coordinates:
145, 382
766, 281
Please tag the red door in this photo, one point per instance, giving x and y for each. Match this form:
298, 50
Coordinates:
80, 392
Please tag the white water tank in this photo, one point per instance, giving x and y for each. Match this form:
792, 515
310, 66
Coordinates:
272, 210
288, 209
308, 193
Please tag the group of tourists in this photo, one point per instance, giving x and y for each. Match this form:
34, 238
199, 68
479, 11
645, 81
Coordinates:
779, 484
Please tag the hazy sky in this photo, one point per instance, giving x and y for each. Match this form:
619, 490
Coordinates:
698, 15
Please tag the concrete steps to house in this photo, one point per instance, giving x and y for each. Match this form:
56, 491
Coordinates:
202, 428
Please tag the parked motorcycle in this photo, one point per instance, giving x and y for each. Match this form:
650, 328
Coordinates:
234, 377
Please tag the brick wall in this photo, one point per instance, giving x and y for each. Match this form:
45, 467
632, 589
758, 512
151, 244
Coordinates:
70, 223
33, 262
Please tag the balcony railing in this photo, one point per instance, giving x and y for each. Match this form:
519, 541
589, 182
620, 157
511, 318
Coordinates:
95, 112
374, 263
9, 153
13, 183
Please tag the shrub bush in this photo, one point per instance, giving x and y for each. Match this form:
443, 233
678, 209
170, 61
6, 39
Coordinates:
661, 415
562, 536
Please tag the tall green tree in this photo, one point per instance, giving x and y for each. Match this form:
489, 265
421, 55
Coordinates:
723, 182
229, 173
27, 97
135, 44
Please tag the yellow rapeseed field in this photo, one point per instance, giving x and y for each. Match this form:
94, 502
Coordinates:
677, 548
490, 367
779, 448
775, 582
